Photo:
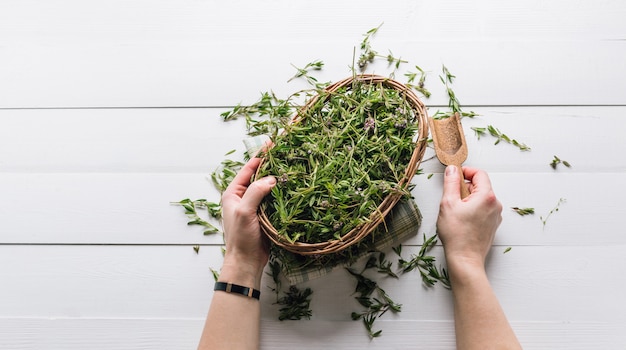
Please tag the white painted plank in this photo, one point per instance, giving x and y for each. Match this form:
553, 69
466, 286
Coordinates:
101, 208
399, 334
195, 140
166, 334
120, 20
128, 140
542, 284
120, 54
134, 208
180, 74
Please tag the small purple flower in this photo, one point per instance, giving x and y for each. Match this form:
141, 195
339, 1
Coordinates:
338, 225
282, 179
369, 124
401, 124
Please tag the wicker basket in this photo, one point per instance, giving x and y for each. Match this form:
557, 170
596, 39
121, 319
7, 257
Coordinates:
359, 232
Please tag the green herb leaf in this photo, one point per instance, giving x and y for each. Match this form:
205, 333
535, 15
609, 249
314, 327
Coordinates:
523, 211
556, 161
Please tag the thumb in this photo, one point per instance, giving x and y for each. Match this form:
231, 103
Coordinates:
451, 183
256, 192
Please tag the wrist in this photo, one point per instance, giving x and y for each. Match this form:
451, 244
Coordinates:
240, 272
463, 269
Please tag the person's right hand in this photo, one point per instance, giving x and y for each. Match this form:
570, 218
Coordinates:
467, 226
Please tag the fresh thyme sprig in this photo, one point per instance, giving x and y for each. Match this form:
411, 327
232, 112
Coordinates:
275, 272
544, 219
367, 53
420, 86
225, 173
556, 161
295, 304
264, 116
454, 105
394, 61
493, 131
447, 79
384, 266
425, 264
192, 213
304, 72
375, 306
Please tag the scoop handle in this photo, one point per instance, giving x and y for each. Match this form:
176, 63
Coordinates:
464, 190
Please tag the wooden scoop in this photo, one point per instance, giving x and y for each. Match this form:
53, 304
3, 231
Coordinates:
449, 143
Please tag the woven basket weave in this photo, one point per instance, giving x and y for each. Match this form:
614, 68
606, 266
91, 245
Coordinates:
376, 217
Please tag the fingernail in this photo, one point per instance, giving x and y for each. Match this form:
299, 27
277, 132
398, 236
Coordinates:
270, 180
450, 170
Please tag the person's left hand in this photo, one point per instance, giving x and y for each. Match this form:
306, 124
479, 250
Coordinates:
246, 248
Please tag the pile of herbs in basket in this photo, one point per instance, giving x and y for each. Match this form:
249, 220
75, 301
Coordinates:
342, 164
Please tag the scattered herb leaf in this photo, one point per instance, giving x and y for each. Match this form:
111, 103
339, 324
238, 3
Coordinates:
216, 274
556, 161
523, 211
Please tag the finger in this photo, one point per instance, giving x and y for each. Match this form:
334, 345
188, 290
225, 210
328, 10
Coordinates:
469, 172
242, 180
451, 181
256, 192
479, 178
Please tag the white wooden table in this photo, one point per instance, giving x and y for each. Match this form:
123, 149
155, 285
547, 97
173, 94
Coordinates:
109, 110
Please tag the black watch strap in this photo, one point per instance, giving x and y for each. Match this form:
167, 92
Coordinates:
237, 289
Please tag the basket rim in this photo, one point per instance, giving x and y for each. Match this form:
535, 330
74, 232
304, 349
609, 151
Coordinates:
376, 217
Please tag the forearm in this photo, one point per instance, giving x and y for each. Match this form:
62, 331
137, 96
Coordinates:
480, 321
233, 321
